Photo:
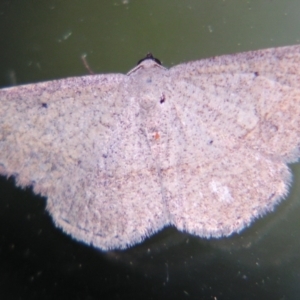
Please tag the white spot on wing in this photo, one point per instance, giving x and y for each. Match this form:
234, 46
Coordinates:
221, 191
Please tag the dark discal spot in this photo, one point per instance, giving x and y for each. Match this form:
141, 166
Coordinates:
162, 99
210, 142
45, 105
256, 74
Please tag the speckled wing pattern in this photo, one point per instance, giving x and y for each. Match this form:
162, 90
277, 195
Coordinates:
202, 146
241, 115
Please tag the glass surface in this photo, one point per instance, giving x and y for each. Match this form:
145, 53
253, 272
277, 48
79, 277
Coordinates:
44, 40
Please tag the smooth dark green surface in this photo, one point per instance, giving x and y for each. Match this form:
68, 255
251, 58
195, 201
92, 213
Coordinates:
44, 40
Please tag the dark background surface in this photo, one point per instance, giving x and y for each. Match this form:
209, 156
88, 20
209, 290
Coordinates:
43, 40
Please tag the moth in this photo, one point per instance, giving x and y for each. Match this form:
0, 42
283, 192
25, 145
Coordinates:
203, 146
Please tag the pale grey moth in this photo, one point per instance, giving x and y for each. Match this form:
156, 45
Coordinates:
203, 146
